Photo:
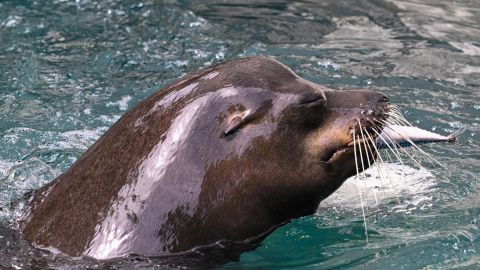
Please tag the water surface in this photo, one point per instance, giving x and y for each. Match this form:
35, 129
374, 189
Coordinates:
70, 69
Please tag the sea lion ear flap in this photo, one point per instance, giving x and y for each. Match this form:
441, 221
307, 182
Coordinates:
236, 122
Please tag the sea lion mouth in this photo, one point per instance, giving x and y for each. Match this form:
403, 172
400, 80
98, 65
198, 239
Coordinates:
363, 134
362, 138
357, 142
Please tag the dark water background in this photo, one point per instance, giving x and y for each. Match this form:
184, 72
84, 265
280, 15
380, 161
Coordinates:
70, 69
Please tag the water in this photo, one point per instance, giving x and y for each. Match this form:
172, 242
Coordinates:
69, 69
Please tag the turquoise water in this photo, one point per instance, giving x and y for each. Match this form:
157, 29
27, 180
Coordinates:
70, 69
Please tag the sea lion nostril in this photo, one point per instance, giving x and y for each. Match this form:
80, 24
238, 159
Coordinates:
384, 99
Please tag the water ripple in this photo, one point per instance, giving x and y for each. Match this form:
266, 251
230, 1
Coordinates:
70, 69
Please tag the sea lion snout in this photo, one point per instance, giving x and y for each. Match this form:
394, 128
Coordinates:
356, 109
352, 99
377, 104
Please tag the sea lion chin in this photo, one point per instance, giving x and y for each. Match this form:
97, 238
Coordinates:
227, 153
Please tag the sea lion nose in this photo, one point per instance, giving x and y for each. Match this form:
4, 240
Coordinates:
376, 99
356, 99
383, 99
378, 104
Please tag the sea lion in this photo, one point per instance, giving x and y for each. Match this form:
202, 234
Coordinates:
227, 153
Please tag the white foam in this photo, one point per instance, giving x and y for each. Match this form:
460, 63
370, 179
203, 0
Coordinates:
383, 183
5, 165
122, 103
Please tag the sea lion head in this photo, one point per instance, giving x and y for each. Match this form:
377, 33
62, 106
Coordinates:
294, 138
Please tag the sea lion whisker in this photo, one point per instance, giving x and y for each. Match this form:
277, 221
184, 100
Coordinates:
363, 140
392, 145
363, 175
390, 106
396, 154
416, 146
369, 150
375, 146
406, 152
365, 143
382, 170
384, 173
398, 120
393, 110
397, 197
404, 120
411, 157
397, 112
391, 161
359, 191
401, 116
355, 152
380, 173
393, 121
